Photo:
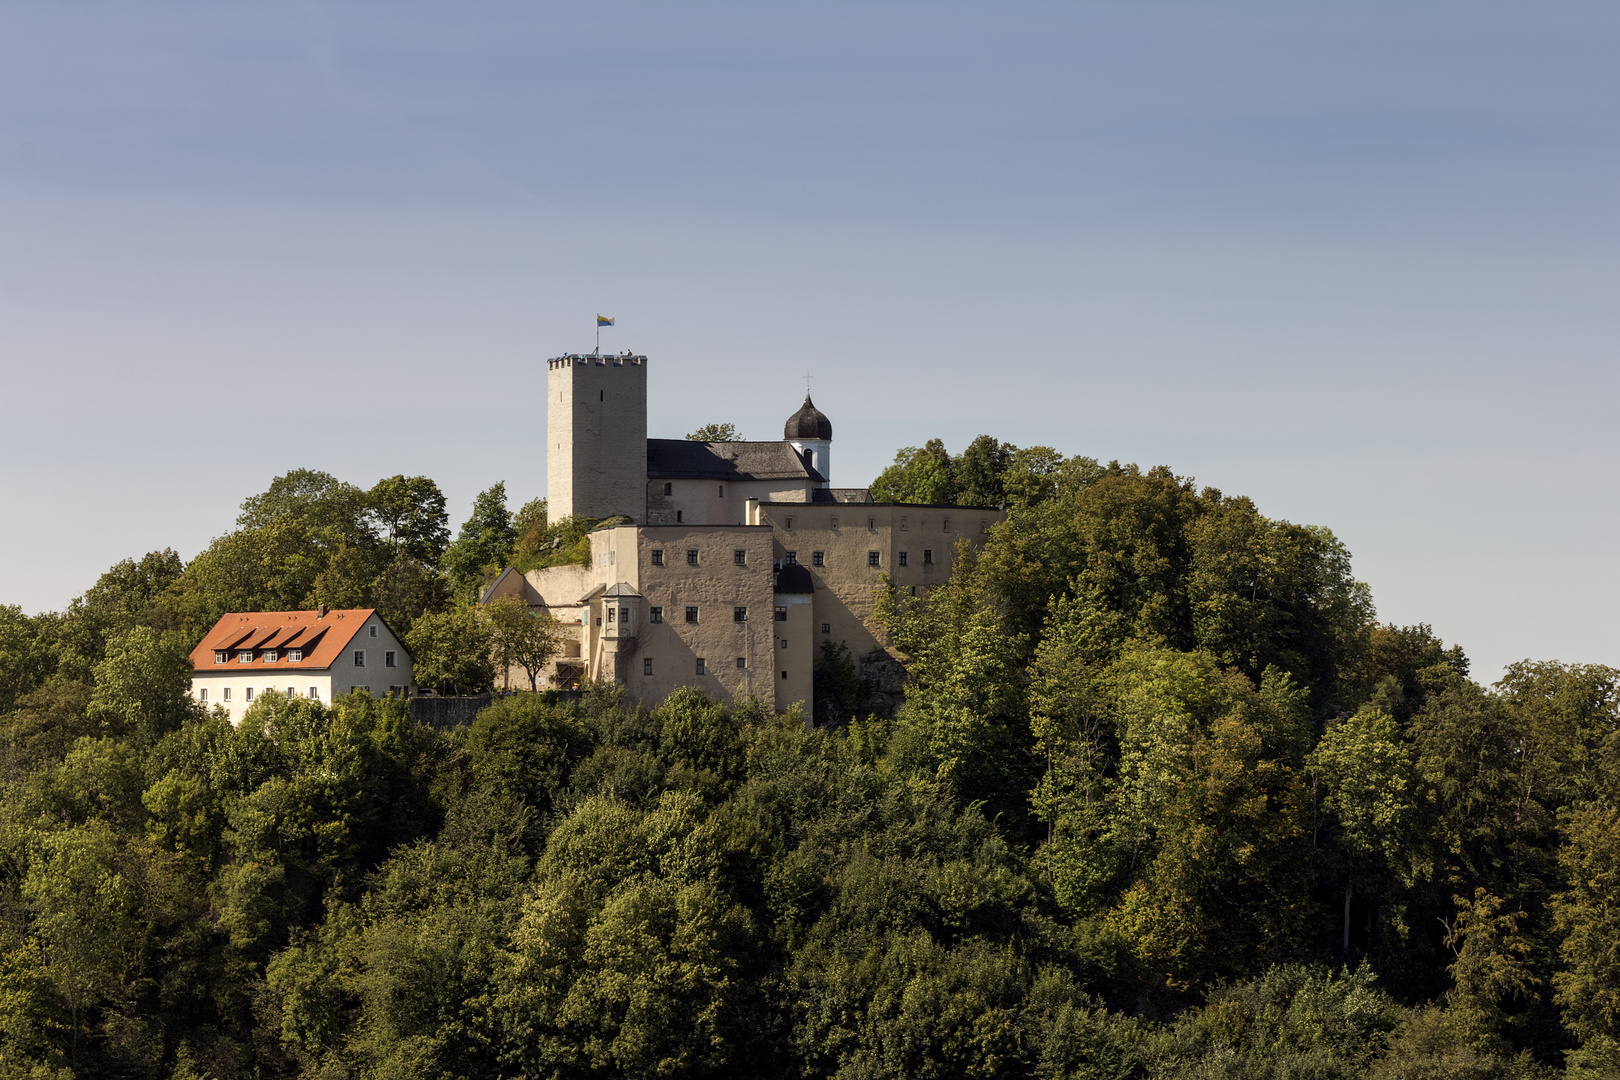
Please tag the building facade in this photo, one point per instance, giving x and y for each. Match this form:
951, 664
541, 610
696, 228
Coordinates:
721, 565
318, 654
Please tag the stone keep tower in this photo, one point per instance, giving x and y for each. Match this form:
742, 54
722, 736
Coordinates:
596, 436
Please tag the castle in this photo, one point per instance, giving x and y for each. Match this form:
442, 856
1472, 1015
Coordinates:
720, 565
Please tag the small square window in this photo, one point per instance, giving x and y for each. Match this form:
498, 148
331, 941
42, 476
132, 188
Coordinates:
691, 556
740, 557
818, 558
701, 668
247, 694
826, 628
669, 489
691, 613
225, 694
658, 557
905, 558
219, 656
739, 614
655, 614
315, 693
874, 558
245, 656
646, 665
791, 558
372, 629
784, 674
742, 663
359, 658
781, 614
390, 660
784, 643
202, 695
295, 655
928, 556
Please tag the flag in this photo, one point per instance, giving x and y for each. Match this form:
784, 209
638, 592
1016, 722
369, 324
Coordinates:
604, 320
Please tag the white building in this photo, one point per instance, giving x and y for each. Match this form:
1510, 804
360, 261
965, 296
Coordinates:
318, 654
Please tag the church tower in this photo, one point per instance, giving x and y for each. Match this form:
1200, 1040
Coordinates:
810, 433
596, 436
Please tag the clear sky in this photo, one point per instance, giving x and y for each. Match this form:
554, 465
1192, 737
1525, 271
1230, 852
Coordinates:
1357, 261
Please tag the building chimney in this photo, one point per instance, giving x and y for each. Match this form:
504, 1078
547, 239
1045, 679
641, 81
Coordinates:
320, 612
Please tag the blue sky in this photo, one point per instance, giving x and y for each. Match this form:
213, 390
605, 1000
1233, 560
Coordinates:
1355, 261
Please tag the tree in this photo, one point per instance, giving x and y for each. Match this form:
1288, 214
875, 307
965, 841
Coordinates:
411, 511
144, 684
26, 658
716, 433
522, 637
451, 651
1587, 914
924, 476
332, 511
405, 590
484, 544
979, 472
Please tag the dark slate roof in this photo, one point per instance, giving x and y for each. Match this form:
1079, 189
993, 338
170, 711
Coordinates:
841, 495
682, 459
807, 423
794, 579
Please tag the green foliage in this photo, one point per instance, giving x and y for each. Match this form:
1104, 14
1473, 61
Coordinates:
484, 544
453, 651
922, 476
716, 433
410, 510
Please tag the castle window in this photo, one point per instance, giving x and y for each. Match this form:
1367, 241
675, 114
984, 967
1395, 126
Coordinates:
219, 656
646, 665
835, 522
826, 628
269, 656
701, 668
691, 613
905, 558
610, 614
295, 655
984, 526
691, 556
680, 516
613, 560
655, 614
742, 663
722, 491
902, 523
624, 615
947, 525
784, 674
669, 489
359, 658
226, 693
928, 556
739, 614
871, 523
658, 557
874, 558
784, 643
740, 557
781, 614
818, 558
790, 557
790, 522
245, 656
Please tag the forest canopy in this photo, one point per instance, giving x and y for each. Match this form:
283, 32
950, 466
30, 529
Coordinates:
1163, 799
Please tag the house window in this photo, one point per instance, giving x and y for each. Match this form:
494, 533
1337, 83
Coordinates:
826, 628
658, 557
905, 558
740, 557
691, 556
739, 614
691, 613
372, 629
295, 655
818, 558
292, 692
389, 660
790, 557
701, 668
781, 614
874, 558
646, 665
679, 516
742, 663
928, 556
219, 656
315, 693
610, 614
225, 694
655, 614
269, 656
245, 656
722, 491
248, 694
669, 489
359, 658
202, 695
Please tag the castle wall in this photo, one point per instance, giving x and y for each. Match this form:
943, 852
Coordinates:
596, 436
715, 502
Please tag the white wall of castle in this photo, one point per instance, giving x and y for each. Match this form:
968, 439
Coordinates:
596, 436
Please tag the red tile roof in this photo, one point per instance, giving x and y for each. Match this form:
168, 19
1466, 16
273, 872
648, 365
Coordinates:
322, 639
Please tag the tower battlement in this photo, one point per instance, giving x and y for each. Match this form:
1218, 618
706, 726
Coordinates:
570, 359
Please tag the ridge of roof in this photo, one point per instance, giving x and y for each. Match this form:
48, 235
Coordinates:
328, 636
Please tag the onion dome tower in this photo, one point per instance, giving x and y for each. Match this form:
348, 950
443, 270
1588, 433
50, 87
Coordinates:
810, 433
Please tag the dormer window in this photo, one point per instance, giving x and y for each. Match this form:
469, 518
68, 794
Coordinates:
219, 656
245, 656
295, 655
269, 656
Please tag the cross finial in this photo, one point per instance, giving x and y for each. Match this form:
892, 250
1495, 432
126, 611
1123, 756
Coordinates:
807, 378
